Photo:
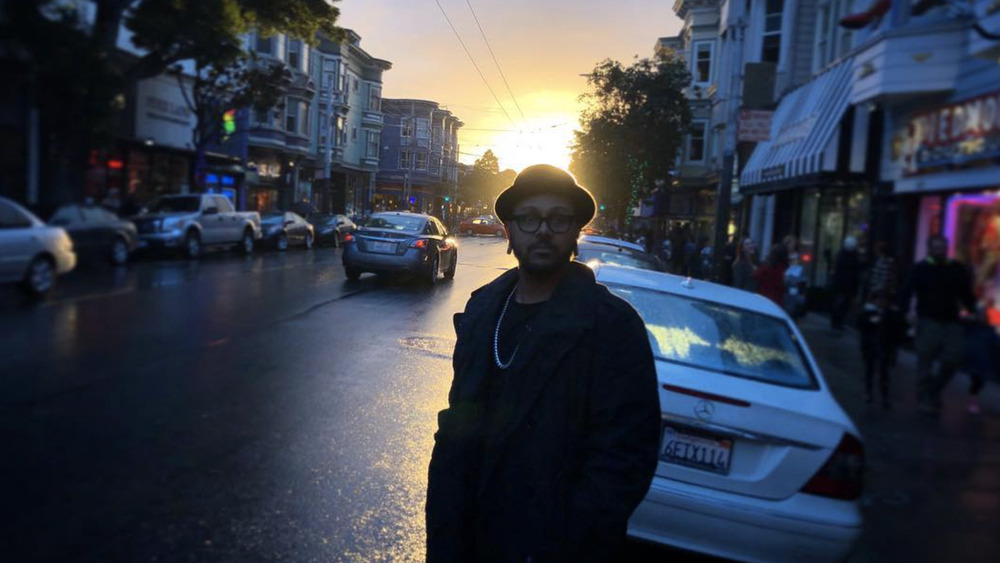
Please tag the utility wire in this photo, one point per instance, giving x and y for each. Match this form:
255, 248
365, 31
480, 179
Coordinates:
481, 75
495, 61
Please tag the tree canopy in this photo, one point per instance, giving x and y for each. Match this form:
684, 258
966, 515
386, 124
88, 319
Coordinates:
485, 182
633, 126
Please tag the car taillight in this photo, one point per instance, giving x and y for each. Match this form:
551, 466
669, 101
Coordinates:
419, 243
348, 237
842, 476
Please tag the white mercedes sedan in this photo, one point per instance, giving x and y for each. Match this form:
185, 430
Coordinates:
758, 462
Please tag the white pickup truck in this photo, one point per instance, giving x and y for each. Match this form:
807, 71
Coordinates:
192, 222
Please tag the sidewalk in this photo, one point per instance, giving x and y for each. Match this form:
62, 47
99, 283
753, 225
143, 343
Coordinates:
932, 489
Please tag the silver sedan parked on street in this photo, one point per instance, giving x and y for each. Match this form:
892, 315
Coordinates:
401, 243
32, 253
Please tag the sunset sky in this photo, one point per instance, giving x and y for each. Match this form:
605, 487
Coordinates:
543, 47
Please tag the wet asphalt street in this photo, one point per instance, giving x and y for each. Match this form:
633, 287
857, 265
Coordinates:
230, 409
264, 408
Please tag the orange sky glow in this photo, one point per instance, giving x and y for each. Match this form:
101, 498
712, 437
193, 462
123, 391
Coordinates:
543, 47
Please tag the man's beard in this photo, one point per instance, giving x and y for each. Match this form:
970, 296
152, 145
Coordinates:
559, 260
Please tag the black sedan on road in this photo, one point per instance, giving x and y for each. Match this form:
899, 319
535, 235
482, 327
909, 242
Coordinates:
97, 232
401, 243
331, 228
282, 229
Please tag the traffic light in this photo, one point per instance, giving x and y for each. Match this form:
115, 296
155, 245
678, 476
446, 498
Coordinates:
601, 207
229, 122
447, 198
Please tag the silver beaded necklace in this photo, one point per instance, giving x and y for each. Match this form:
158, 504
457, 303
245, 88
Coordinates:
496, 336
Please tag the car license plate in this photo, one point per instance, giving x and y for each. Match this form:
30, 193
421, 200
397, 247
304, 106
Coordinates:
700, 451
383, 247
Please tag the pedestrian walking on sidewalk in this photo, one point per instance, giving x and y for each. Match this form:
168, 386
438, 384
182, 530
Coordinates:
770, 276
942, 288
846, 277
552, 430
745, 265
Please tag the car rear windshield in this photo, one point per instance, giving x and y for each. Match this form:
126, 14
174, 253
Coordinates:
176, 204
610, 255
396, 223
720, 338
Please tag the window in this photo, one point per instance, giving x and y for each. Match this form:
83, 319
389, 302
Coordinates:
354, 133
262, 116
12, 218
771, 49
265, 45
421, 161
822, 37
295, 54
69, 215
702, 72
355, 84
372, 151
696, 142
844, 42
223, 204
712, 336
341, 130
374, 98
405, 158
423, 128
406, 128
304, 122
291, 116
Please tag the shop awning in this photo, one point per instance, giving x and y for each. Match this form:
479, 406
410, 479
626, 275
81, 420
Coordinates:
804, 134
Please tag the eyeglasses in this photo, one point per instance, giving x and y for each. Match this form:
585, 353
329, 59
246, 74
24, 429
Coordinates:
558, 223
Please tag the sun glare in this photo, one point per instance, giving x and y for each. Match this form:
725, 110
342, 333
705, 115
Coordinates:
544, 136
545, 140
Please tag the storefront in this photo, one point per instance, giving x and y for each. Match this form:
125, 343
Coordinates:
945, 162
813, 179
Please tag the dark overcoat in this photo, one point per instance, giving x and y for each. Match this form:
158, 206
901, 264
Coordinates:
557, 473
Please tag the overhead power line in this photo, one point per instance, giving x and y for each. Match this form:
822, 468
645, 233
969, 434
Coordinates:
472, 60
495, 61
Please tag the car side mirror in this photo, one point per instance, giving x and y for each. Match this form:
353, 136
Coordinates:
210, 211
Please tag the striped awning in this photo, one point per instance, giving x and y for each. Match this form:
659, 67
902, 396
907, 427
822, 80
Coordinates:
804, 133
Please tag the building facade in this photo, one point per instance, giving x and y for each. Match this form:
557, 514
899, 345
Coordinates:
894, 137
419, 169
350, 122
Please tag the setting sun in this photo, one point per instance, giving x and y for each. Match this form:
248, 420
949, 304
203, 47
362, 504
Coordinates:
543, 137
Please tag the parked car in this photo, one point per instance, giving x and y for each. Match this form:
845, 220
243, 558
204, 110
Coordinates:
399, 242
758, 462
194, 221
284, 228
331, 227
97, 232
482, 226
613, 242
592, 253
31, 252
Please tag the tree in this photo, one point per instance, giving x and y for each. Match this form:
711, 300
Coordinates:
485, 182
631, 130
78, 80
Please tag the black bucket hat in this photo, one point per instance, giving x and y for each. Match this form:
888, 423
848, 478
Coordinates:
546, 179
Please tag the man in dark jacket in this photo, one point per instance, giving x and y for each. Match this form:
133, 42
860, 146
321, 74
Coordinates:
942, 288
551, 435
846, 280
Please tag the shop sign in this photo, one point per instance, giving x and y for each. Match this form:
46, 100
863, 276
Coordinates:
755, 125
954, 134
796, 130
163, 117
772, 173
